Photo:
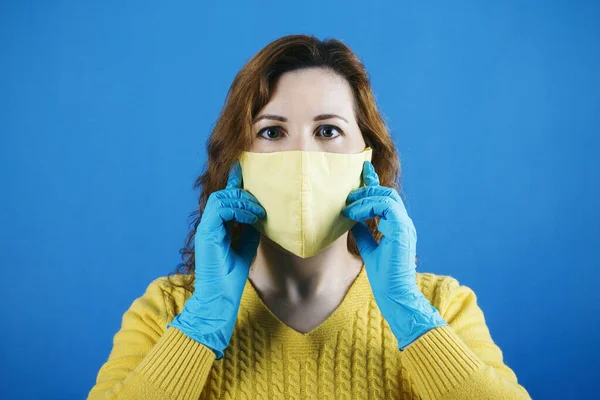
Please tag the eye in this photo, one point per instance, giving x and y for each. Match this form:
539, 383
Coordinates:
329, 131
273, 132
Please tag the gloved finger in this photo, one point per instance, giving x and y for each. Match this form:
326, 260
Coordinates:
369, 176
366, 191
234, 180
244, 204
400, 231
376, 191
237, 215
215, 198
249, 243
394, 222
363, 238
213, 221
370, 207
235, 193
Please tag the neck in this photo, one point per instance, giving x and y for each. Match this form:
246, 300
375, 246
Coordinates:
279, 273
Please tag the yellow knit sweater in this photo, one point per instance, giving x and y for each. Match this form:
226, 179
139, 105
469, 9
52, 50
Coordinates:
352, 355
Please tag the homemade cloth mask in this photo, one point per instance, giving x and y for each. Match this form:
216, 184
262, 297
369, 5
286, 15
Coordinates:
303, 193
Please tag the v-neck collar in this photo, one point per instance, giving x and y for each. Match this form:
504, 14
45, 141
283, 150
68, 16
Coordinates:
357, 296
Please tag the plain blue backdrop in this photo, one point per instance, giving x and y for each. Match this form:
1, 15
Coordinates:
106, 107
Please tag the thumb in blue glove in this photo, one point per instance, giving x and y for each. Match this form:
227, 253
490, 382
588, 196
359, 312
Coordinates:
390, 265
209, 315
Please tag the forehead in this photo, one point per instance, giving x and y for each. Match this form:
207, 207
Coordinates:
313, 91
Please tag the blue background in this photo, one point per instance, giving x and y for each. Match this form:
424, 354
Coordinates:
106, 107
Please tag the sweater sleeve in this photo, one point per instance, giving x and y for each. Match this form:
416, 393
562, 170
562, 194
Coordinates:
460, 361
150, 362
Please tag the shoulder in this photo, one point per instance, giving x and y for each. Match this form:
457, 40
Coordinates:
174, 282
175, 290
443, 291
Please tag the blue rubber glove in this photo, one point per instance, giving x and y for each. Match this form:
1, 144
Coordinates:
390, 265
209, 315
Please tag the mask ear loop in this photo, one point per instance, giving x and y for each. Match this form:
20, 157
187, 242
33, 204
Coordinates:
367, 143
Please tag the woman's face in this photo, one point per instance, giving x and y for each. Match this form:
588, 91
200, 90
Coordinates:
311, 110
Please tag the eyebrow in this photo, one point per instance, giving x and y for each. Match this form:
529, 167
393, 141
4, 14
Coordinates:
319, 117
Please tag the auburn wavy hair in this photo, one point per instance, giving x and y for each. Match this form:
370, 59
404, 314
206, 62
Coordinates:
251, 90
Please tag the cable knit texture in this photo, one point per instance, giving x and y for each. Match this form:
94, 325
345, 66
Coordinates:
351, 355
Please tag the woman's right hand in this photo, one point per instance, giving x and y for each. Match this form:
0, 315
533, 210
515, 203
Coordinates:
209, 315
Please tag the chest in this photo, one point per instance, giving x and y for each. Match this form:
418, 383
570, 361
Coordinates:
357, 361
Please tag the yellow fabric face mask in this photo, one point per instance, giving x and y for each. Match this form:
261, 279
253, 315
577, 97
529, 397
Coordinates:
303, 193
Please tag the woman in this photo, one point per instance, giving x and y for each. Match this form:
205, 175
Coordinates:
301, 282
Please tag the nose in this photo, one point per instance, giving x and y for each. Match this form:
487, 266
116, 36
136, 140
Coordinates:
304, 141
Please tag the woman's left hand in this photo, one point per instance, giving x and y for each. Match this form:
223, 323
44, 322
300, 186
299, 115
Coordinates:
391, 264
